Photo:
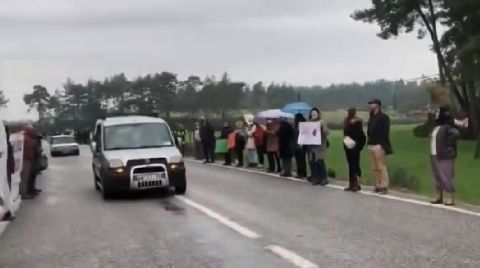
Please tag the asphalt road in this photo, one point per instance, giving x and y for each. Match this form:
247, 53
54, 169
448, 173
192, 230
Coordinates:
229, 219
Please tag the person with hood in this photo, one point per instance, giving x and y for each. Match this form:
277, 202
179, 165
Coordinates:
225, 133
207, 136
317, 153
240, 142
251, 146
272, 148
354, 142
443, 152
379, 145
300, 154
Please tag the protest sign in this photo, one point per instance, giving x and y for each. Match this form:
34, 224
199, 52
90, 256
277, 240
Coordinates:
17, 143
309, 133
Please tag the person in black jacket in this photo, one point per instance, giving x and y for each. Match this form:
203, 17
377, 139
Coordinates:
207, 136
286, 136
226, 131
354, 142
379, 144
300, 154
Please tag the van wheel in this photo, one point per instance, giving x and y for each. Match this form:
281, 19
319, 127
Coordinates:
107, 193
181, 189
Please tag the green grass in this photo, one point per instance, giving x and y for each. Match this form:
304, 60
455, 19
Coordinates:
412, 154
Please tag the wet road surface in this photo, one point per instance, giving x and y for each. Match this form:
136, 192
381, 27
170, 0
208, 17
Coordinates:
229, 219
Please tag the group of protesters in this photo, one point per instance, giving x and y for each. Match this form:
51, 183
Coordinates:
274, 144
30, 165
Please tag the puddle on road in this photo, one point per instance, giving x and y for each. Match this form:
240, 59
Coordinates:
171, 207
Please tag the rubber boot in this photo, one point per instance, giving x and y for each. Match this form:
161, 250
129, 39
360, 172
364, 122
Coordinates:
449, 200
439, 199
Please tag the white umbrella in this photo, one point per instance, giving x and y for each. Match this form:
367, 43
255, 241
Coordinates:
274, 114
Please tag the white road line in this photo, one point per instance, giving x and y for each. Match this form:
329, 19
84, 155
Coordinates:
338, 187
224, 220
291, 257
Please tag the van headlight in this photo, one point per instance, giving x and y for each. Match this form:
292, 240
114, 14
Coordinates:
115, 163
175, 160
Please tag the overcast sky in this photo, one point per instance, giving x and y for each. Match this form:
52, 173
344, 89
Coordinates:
302, 42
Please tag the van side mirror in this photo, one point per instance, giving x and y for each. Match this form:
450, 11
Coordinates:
93, 146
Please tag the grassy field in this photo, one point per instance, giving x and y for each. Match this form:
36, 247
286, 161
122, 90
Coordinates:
410, 164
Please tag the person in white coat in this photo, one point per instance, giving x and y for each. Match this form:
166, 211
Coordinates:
4, 185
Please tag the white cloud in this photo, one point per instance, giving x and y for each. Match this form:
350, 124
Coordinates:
302, 42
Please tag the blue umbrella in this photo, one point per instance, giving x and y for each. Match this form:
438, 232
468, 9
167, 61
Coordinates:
297, 108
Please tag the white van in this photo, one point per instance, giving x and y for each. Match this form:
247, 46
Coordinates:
136, 153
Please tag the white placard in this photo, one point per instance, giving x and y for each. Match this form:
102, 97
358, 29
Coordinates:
16, 140
4, 188
310, 133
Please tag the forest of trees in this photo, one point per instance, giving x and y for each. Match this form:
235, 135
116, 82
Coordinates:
79, 104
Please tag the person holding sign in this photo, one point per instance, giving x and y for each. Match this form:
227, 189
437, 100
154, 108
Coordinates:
226, 131
313, 134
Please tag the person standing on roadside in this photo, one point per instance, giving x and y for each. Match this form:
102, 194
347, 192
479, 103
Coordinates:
379, 145
286, 136
251, 146
274, 164
260, 143
207, 136
443, 154
180, 138
240, 142
300, 154
353, 144
198, 142
226, 131
317, 153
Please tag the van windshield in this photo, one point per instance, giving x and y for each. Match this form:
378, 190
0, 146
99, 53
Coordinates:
137, 136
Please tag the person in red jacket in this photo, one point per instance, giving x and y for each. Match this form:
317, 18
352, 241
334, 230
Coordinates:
28, 172
260, 143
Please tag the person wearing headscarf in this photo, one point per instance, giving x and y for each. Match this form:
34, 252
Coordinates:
317, 153
354, 142
443, 152
300, 154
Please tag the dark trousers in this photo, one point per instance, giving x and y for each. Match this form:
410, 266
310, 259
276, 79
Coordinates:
354, 170
208, 151
301, 160
274, 162
228, 158
319, 169
198, 150
239, 153
287, 166
261, 155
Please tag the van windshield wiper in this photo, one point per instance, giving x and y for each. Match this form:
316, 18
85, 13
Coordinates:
139, 147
